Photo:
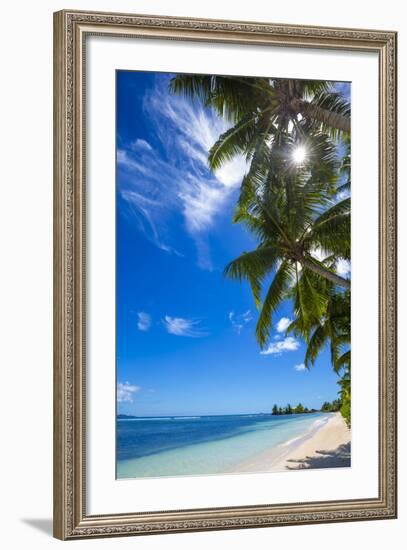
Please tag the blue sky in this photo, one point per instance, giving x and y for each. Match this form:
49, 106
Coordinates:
185, 333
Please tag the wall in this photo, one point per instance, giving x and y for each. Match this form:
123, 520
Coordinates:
26, 251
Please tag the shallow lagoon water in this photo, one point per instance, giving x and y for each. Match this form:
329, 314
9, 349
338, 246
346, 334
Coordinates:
203, 445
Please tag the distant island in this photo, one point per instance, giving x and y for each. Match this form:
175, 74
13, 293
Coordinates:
327, 406
333, 406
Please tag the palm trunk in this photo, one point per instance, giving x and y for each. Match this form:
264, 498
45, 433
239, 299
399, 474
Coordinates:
324, 272
325, 116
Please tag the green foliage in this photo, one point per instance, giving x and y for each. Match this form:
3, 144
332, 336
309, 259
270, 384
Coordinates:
276, 293
332, 327
345, 411
336, 405
333, 406
321, 109
345, 391
299, 409
287, 219
299, 213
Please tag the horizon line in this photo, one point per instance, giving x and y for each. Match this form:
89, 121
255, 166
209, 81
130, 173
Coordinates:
216, 414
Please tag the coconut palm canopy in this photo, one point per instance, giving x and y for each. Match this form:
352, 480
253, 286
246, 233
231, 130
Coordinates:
294, 198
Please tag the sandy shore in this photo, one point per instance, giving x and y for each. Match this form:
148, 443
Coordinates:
325, 447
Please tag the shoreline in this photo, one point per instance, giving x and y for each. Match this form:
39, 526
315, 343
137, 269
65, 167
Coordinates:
325, 446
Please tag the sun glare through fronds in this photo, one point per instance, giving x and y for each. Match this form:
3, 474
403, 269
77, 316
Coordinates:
299, 154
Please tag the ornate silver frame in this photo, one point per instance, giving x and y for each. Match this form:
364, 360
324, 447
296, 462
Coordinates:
70, 31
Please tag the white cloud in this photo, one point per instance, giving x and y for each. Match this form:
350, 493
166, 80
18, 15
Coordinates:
183, 327
199, 203
125, 392
178, 178
126, 160
231, 173
239, 321
139, 199
283, 324
203, 253
301, 367
144, 321
141, 145
147, 213
343, 267
277, 348
194, 130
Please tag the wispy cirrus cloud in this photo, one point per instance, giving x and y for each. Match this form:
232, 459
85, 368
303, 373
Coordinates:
125, 159
240, 320
180, 326
144, 212
175, 178
125, 392
144, 321
141, 144
277, 348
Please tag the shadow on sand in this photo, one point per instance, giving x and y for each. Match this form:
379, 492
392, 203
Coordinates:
336, 458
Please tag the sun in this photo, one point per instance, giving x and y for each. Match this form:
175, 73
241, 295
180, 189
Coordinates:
299, 154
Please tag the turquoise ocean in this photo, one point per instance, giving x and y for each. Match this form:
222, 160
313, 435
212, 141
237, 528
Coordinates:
203, 445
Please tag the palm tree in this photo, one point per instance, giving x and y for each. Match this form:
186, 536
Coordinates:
345, 394
302, 227
299, 409
293, 213
334, 328
264, 110
328, 325
344, 382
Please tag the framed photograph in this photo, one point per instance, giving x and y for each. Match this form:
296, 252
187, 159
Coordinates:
225, 249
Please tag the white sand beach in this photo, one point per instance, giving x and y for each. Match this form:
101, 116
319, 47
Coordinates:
327, 446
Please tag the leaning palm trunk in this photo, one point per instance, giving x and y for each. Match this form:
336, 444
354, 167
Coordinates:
325, 116
319, 269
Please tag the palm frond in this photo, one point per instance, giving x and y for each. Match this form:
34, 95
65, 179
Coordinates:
232, 142
343, 361
315, 345
330, 113
231, 97
253, 266
334, 237
274, 296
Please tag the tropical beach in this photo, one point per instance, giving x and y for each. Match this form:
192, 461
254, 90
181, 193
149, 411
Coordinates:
231, 444
326, 446
233, 274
